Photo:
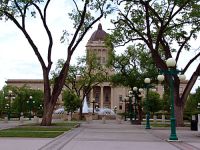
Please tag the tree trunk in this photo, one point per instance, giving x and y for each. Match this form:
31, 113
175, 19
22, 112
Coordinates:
179, 115
80, 113
47, 115
178, 105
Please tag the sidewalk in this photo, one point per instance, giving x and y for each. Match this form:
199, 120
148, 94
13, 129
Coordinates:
113, 136
110, 136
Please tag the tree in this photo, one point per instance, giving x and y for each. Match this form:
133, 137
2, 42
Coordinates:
153, 104
165, 102
83, 19
71, 101
165, 28
1, 102
22, 95
192, 103
83, 76
132, 67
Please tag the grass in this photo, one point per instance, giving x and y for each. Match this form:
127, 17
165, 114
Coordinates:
160, 125
36, 131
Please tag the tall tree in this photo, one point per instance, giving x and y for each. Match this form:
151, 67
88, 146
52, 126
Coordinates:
84, 15
132, 67
166, 28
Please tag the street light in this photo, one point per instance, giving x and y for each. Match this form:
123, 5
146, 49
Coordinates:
147, 85
115, 109
135, 103
30, 102
9, 97
137, 94
171, 63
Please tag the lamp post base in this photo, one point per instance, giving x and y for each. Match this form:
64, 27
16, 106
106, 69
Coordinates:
148, 128
148, 121
173, 137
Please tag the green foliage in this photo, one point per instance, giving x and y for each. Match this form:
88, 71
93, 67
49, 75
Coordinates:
165, 102
192, 102
71, 101
19, 102
1, 102
132, 67
153, 104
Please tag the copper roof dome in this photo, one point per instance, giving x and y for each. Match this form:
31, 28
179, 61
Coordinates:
99, 34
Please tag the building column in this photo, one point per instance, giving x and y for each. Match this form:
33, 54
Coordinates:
101, 98
91, 97
111, 98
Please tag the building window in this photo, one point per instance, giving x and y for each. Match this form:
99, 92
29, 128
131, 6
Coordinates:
120, 107
96, 97
107, 98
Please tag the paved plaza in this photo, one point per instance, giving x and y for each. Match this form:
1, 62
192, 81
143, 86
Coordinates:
109, 136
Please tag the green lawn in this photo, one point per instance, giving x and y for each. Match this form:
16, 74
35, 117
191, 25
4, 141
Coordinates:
36, 131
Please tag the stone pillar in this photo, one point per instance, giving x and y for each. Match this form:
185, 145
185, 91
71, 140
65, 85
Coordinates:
91, 98
111, 98
103, 119
36, 119
118, 119
163, 119
69, 118
21, 119
154, 119
5, 119
101, 98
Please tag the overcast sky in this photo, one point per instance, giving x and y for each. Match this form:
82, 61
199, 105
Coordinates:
17, 60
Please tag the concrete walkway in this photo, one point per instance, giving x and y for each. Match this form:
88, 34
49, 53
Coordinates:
113, 136
110, 136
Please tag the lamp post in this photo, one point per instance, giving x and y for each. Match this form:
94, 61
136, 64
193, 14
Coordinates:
7, 110
125, 111
147, 85
30, 102
93, 104
135, 103
137, 93
171, 63
130, 95
9, 97
115, 109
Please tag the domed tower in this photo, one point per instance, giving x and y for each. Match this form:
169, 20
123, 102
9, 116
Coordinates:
100, 94
96, 45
